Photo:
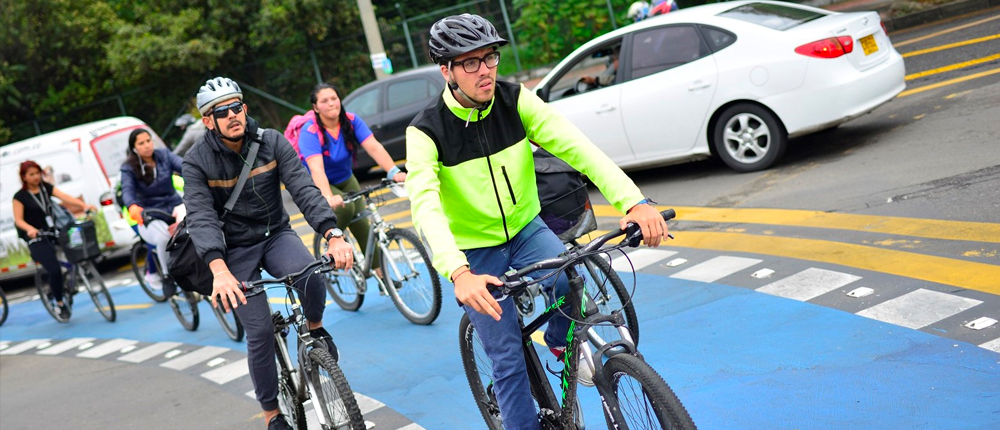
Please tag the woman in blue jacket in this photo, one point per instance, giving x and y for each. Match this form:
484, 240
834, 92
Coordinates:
147, 183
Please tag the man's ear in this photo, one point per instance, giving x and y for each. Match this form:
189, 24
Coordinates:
208, 123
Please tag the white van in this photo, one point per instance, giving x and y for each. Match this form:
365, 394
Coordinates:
81, 161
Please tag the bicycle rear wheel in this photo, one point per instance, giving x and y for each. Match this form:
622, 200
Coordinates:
346, 288
142, 262
333, 397
42, 283
644, 399
94, 283
185, 307
230, 323
412, 282
609, 293
288, 399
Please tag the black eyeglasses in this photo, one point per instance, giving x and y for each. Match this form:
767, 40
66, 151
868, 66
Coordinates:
472, 65
223, 111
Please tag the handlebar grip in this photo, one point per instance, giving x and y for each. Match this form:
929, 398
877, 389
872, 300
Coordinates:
668, 214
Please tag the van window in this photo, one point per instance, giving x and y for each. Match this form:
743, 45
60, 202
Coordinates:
773, 16
63, 169
111, 150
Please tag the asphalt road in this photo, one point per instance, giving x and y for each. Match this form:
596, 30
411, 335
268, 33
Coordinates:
912, 185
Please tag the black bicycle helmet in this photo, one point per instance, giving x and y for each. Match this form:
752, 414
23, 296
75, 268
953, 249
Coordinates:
459, 34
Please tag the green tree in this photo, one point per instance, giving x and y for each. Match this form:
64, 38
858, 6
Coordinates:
550, 30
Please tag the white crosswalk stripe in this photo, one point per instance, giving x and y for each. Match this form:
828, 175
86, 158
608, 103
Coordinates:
106, 348
411, 426
229, 372
65, 346
23, 346
808, 284
149, 352
919, 308
367, 404
993, 345
640, 259
715, 269
195, 357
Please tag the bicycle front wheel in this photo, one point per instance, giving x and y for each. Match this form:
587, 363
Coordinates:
230, 323
141, 263
644, 399
3, 298
412, 282
346, 288
44, 286
609, 294
289, 401
92, 280
333, 396
185, 307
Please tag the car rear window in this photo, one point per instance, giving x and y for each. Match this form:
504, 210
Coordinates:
773, 16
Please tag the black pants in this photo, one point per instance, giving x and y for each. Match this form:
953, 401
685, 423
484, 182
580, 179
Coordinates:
44, 252
279, 255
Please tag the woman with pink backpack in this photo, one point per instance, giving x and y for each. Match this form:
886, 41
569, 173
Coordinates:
327, 140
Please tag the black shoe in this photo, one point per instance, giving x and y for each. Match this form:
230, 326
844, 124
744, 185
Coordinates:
321, 335
63, 311
279, 422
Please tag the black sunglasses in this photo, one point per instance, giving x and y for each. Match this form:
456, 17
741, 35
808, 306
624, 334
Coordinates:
223, 111
472, 65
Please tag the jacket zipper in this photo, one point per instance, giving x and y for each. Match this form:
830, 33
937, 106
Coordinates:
489, 164
509, 187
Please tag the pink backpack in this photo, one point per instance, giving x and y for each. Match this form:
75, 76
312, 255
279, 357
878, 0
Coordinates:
294, 129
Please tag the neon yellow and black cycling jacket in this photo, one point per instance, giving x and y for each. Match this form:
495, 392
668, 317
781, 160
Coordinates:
471, 177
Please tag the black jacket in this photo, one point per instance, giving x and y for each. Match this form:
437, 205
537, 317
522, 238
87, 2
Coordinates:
210, 173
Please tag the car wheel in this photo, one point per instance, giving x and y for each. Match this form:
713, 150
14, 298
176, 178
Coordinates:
748, 138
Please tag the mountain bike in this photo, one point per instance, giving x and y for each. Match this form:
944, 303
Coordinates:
318, 376
408, 277
3, 298
183, 303
632, 394
74, 274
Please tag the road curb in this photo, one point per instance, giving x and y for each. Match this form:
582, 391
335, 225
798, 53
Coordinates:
938, 13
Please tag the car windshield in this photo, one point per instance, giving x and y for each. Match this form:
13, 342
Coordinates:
772, 16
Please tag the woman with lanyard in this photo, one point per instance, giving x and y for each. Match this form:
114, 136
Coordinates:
33, 212
147, 183
328, 147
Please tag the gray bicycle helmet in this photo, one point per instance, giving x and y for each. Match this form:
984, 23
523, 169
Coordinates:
216, 90
459, 34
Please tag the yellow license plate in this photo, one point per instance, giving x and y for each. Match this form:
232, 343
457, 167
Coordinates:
868, 44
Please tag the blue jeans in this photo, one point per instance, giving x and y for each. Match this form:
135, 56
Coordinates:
502, 339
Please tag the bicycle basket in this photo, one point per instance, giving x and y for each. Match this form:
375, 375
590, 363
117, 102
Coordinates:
79, 241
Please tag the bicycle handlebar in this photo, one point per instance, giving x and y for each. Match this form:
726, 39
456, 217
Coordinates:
513, 282
147, 215
364, 192
252, 288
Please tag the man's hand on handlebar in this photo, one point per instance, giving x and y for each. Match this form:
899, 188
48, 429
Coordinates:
227, 289
342, 253
653, 227
470, 289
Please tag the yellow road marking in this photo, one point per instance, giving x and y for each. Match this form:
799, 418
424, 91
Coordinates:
296, 225
130, 307
539, 338
965, 274
942, 32
920, 116
917, 227
395, 200
951, 96
950, 46
125, 268
948, 82
949, 68
397, 215
295, 217
407, 224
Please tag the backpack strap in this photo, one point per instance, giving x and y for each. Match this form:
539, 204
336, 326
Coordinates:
254, 146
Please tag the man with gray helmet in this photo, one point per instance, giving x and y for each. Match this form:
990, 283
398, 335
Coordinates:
256, 233
475, 138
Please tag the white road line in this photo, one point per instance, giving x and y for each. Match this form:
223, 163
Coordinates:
4, 345
65, 346
227, 373
23, 346
106, 348
641, 258
251, 394
919, 308
808, 284
149, 352
412, 426
715, 269
195, 357
993, 345
367, 404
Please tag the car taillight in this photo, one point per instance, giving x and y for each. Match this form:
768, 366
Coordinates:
828, 48
106, 199
884, 30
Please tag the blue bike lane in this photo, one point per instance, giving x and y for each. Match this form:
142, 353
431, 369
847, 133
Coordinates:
737, 359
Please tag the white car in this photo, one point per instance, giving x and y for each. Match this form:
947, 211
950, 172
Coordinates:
735, 80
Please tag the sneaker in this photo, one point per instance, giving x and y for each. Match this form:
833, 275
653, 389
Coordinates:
322, 335
584, 373
63, 311
279, 422
154, 282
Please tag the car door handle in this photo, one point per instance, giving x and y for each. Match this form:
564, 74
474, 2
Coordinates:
699, 85
605, 109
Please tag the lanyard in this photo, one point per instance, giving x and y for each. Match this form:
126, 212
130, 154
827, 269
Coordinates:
45, 208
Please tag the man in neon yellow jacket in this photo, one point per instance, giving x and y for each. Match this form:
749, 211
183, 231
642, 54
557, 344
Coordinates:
474, 200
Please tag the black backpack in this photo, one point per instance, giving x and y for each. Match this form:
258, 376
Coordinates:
562, 192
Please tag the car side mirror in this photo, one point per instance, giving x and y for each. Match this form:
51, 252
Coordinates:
543, 93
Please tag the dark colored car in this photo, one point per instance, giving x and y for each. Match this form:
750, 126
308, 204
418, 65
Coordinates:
388, 105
